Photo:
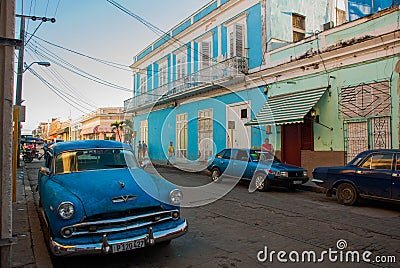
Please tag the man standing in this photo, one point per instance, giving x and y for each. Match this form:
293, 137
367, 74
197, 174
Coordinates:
171, 152
140, 150
266, 146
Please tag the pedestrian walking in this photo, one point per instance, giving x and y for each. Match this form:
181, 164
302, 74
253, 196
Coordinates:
171, 153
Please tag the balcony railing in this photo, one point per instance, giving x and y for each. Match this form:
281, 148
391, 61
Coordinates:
216, 72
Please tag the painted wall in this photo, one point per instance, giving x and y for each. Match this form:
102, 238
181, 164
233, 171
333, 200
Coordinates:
279, 18
327, 107
361, 8
162, 123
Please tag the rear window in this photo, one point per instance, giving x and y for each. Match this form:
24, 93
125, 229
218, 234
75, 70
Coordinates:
93, 159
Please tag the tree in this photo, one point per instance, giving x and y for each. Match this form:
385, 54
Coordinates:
118, 126
128, 127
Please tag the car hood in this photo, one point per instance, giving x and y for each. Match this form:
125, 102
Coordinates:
280, 166
98, 188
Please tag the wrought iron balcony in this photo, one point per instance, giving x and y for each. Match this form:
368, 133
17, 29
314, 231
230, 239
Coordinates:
217, 73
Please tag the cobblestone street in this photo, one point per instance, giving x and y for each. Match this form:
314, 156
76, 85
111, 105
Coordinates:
233, 230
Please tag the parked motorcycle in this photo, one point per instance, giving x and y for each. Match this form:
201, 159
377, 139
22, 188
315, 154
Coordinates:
28, 154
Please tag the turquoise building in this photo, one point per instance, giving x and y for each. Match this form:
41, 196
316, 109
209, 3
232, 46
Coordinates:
235, 72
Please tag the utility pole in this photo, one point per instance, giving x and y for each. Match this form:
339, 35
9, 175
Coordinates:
20, 71
7, 47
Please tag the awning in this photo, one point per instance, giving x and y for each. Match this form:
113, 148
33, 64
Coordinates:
287, 108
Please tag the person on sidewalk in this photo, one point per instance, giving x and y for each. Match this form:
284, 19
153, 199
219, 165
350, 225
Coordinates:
171, 153
144, 149
140, 150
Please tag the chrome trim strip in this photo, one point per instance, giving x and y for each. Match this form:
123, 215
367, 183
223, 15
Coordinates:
317, 181
96, 248
166, 216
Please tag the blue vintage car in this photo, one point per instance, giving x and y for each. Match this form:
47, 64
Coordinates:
373, 174
262, 166
94, 198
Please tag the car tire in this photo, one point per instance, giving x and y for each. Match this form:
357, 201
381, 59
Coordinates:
346, 194
215, 175
262, 182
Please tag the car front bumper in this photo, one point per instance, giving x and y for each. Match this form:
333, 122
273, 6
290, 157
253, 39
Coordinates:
288, 181
105, 246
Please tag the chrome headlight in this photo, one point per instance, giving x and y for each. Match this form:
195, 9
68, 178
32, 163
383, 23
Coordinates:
175, 196
305, 173
281, 174
66, 210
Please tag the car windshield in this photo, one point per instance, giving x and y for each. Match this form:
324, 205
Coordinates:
263, 156
93, 159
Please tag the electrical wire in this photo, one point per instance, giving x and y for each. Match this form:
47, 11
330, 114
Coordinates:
109, 63
155, 29
69, 101
52, 57
63, 83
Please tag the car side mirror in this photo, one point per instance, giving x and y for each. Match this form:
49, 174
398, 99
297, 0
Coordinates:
44, 171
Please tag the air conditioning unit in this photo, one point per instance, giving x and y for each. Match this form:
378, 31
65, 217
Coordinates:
328, 25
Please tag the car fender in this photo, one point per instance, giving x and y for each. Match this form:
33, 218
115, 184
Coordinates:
52, 195
336, 184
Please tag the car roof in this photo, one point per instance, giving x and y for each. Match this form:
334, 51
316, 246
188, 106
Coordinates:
87, 144
380, 151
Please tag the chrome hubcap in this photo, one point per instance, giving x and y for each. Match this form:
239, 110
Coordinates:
215, 175
259, 182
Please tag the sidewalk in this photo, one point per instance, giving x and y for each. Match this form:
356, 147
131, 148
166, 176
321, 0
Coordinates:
30, 249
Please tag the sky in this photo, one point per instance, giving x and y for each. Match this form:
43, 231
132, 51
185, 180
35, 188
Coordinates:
94, 28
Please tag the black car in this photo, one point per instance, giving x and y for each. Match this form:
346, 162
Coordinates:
373, 174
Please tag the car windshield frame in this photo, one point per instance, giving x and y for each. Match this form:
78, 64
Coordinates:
90, 159
255, 157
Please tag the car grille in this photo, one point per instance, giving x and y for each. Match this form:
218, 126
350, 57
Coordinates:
295, 173
109, 224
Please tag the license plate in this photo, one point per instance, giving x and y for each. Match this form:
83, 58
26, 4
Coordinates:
125, 246
297, 182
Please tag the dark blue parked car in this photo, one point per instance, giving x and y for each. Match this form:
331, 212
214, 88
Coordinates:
373, 174
94, 198
266, 169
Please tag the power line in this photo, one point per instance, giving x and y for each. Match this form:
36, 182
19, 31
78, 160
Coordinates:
62, 82
154, 28
109, 63
47, 54
57, 92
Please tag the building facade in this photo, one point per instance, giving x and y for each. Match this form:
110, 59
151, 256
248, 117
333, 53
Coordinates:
97, 125
336, 93
192, 85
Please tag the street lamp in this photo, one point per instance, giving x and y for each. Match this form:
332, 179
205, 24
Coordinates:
41, 63
18, 101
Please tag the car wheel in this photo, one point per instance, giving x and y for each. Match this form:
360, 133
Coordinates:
262, 182
215, 175
346, 194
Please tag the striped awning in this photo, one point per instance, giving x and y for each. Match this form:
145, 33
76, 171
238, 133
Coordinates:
287, 108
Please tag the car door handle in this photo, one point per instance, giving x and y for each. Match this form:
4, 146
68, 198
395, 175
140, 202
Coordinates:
396, 175
359, 172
